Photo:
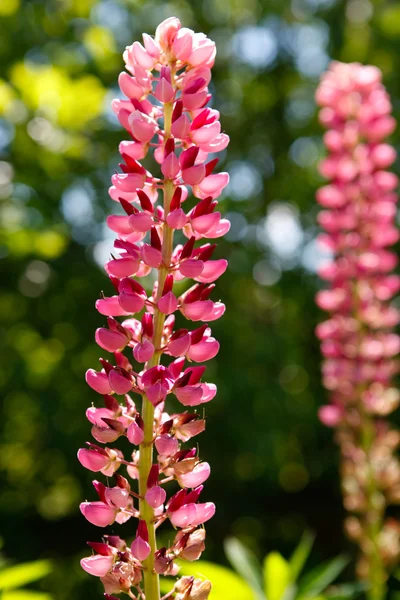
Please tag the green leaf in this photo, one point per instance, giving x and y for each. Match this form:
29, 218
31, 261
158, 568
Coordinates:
277, 576
19, 575
317, 580
25, 595
246, 564
226, 585
301, 554
346, 590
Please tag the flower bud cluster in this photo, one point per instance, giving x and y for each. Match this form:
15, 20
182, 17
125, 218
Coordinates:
358, 341
154, 356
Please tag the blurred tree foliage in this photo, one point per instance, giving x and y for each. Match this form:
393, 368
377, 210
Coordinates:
274, 465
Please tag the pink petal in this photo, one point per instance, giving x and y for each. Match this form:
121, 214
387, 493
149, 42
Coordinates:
128, 182
151, 256
135, 434
204, 512
140, 548
155, 496
143, 351
119, 224
212, 270
205, 223
141, 222
209, 392
190, 395
92, 460
221, 229
177, 219
168, 303
119, 383
110, 340
196, 311
199, 475
166, 445
98, 381
123, 267
204, 350
98, 513
184, 516
97, 565
194, 175
110, 307
214, 184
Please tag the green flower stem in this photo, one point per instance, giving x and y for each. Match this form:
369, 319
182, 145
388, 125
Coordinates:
151, 578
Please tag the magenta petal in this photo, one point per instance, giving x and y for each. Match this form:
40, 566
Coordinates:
141, 222
97, 565
214, 184
194, 175
98, 381
119, 224
184, 516
180, 346
196, 311
204, 512
156, 393
166, 445
151, 256
212, 270
110, 340
98, 513
128, 182
199, 475
92, 460
140, 548
177, 219
190, 395
215, 312
220, 230
143, 351
122, 267
135, 434
131, 303
119, 383
204, 223
168, 303
209, 392
204, 350
155, 496
110, 307
170, 166
191, 268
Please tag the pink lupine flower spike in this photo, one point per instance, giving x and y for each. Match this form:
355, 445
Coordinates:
358, 342
148, 358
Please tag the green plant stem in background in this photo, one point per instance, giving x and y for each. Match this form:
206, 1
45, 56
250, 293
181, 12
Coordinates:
374, 516
151, 578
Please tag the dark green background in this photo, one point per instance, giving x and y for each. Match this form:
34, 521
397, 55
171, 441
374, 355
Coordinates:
274, 466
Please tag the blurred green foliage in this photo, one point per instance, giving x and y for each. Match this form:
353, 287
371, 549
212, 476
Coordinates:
14, 578
274, 465
276, 578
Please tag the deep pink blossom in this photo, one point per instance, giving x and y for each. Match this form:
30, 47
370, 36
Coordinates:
358, 343
147, 358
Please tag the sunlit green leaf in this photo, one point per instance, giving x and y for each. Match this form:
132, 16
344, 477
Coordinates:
277, 576
25, 595
19, 575
300, 555
246, 564
321, 576
226, 585
346, 590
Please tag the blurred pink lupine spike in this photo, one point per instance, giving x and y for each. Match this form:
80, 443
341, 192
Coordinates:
165, 112
358, 343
